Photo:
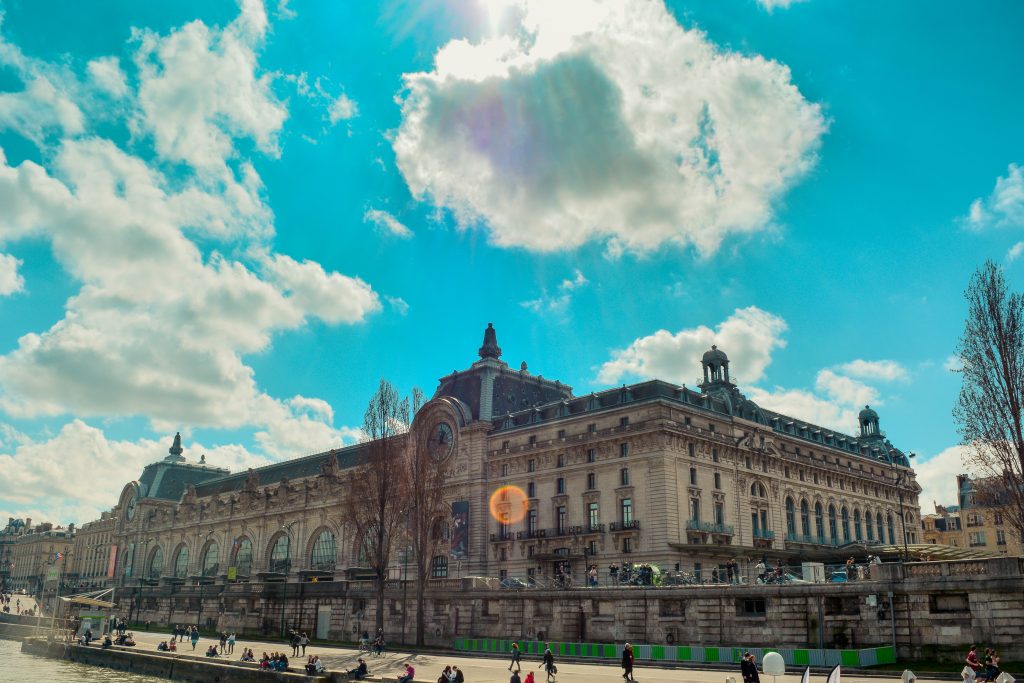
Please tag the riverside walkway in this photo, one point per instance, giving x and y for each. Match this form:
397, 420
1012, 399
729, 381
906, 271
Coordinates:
483, 669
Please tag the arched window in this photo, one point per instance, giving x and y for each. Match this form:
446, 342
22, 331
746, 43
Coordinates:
790, 517
129, 560
325, 552
869, 524
819, 522
156, 563
833, 534
758, 490
892, 531
211, 559
845, 514
805, 518
181, 562
243, 556
857, 530
280, 557
878, 522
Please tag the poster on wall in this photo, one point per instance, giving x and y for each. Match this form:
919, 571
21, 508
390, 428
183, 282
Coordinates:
112, 562
460, 530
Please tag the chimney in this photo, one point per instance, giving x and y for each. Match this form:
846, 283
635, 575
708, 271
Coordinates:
28, 523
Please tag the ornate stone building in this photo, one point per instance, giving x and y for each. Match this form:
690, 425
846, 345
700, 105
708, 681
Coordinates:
648, 473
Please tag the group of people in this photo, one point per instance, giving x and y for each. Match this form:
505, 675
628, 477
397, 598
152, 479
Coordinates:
985, 668
298, 640
377, 646
277, 661
547, 662
314, 665
247, 656
451, 674
635, 574
182, 633
165, 646
5, 600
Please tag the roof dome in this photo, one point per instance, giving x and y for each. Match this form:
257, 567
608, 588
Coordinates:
867, 413
715, 354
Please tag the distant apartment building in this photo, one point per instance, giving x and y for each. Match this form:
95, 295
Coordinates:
34, 556
944, 527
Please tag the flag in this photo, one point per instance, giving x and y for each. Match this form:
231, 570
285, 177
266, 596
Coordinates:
806, 678
59, 556
833, 675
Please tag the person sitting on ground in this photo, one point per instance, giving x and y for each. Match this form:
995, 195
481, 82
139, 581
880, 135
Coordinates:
129, 640
318, 665
409, 674
247, 656
457, 676
360, 672
446, 675
211, 651
162, 647
310, 666
265, 661
107, 643
282, 662
172, 647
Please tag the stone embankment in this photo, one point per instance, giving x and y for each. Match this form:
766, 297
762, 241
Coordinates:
173, 666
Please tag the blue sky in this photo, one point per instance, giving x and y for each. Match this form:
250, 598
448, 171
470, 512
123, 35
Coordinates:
231, 219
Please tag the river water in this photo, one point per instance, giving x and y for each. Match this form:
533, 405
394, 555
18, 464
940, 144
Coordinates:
22, 668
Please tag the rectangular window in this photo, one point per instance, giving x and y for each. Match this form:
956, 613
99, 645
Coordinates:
560, 518
593, 516
531, 490
591, 455
623, 450
592, 427
627, 511
695, 509
718, 480
975, 538
561, 433
749, 463
751, 607
624, 476
560, 485
533, 439
504, 445
531, 523
764, 465
693, 476
1000, 537
691, 450
531, 465
624, 421
786, 471
755, 524
627, 545
719, 513
801, 475
714, 454
439, 567
711, 427
815, 477
686, 421
591, 481
998, 518
504, 470
561, 460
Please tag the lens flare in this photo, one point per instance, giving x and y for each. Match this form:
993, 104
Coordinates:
509, 504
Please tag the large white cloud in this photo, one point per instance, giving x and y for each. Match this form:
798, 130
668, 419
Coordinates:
1004, 207
749, 336
593, 120
937, 477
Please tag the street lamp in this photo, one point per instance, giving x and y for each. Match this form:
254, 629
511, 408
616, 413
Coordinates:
899, 477
287, 528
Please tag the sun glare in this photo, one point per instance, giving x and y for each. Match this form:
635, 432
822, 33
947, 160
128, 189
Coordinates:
509, 504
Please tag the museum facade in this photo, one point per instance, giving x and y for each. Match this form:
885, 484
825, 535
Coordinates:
652, 473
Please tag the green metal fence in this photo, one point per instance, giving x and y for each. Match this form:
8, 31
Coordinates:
696, 654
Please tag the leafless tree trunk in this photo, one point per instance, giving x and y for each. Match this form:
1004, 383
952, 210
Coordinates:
988, 411
424, 479
373, 504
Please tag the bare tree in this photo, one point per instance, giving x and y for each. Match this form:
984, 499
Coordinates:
373, 505
423, 492
988, 411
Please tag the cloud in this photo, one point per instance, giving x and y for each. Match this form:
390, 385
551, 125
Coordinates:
11, 280
342, 109
953, 363
398, 304
1001, 209
937, 477
558, 302
887, 370
199, 88
387, 222
771, 5
845, 390
749, 336
604, 122
107, 75
332, 297
1015, 251
806, 405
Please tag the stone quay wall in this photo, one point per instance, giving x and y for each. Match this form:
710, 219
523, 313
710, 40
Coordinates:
926, 610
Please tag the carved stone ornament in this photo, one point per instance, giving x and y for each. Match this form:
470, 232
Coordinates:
252, 481
329, 467
190, 495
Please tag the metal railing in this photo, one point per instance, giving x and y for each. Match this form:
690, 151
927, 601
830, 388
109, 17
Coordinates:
766, 534
709, 527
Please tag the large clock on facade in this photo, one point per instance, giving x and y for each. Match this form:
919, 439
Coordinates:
129, 509
441, 441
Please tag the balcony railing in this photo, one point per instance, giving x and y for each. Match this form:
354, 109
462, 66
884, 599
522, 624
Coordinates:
502, 536
811, 539
766, 534
624, 526
709, 527
280, 566
595, 528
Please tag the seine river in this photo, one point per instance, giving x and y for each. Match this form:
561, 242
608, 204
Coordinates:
22, 668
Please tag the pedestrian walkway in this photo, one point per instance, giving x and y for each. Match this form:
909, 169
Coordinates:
477, 669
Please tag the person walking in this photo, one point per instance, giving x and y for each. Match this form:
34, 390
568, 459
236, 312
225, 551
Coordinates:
515, 657
748, 669
548, 662
627, 662
194, 637
303, 642
231, 643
